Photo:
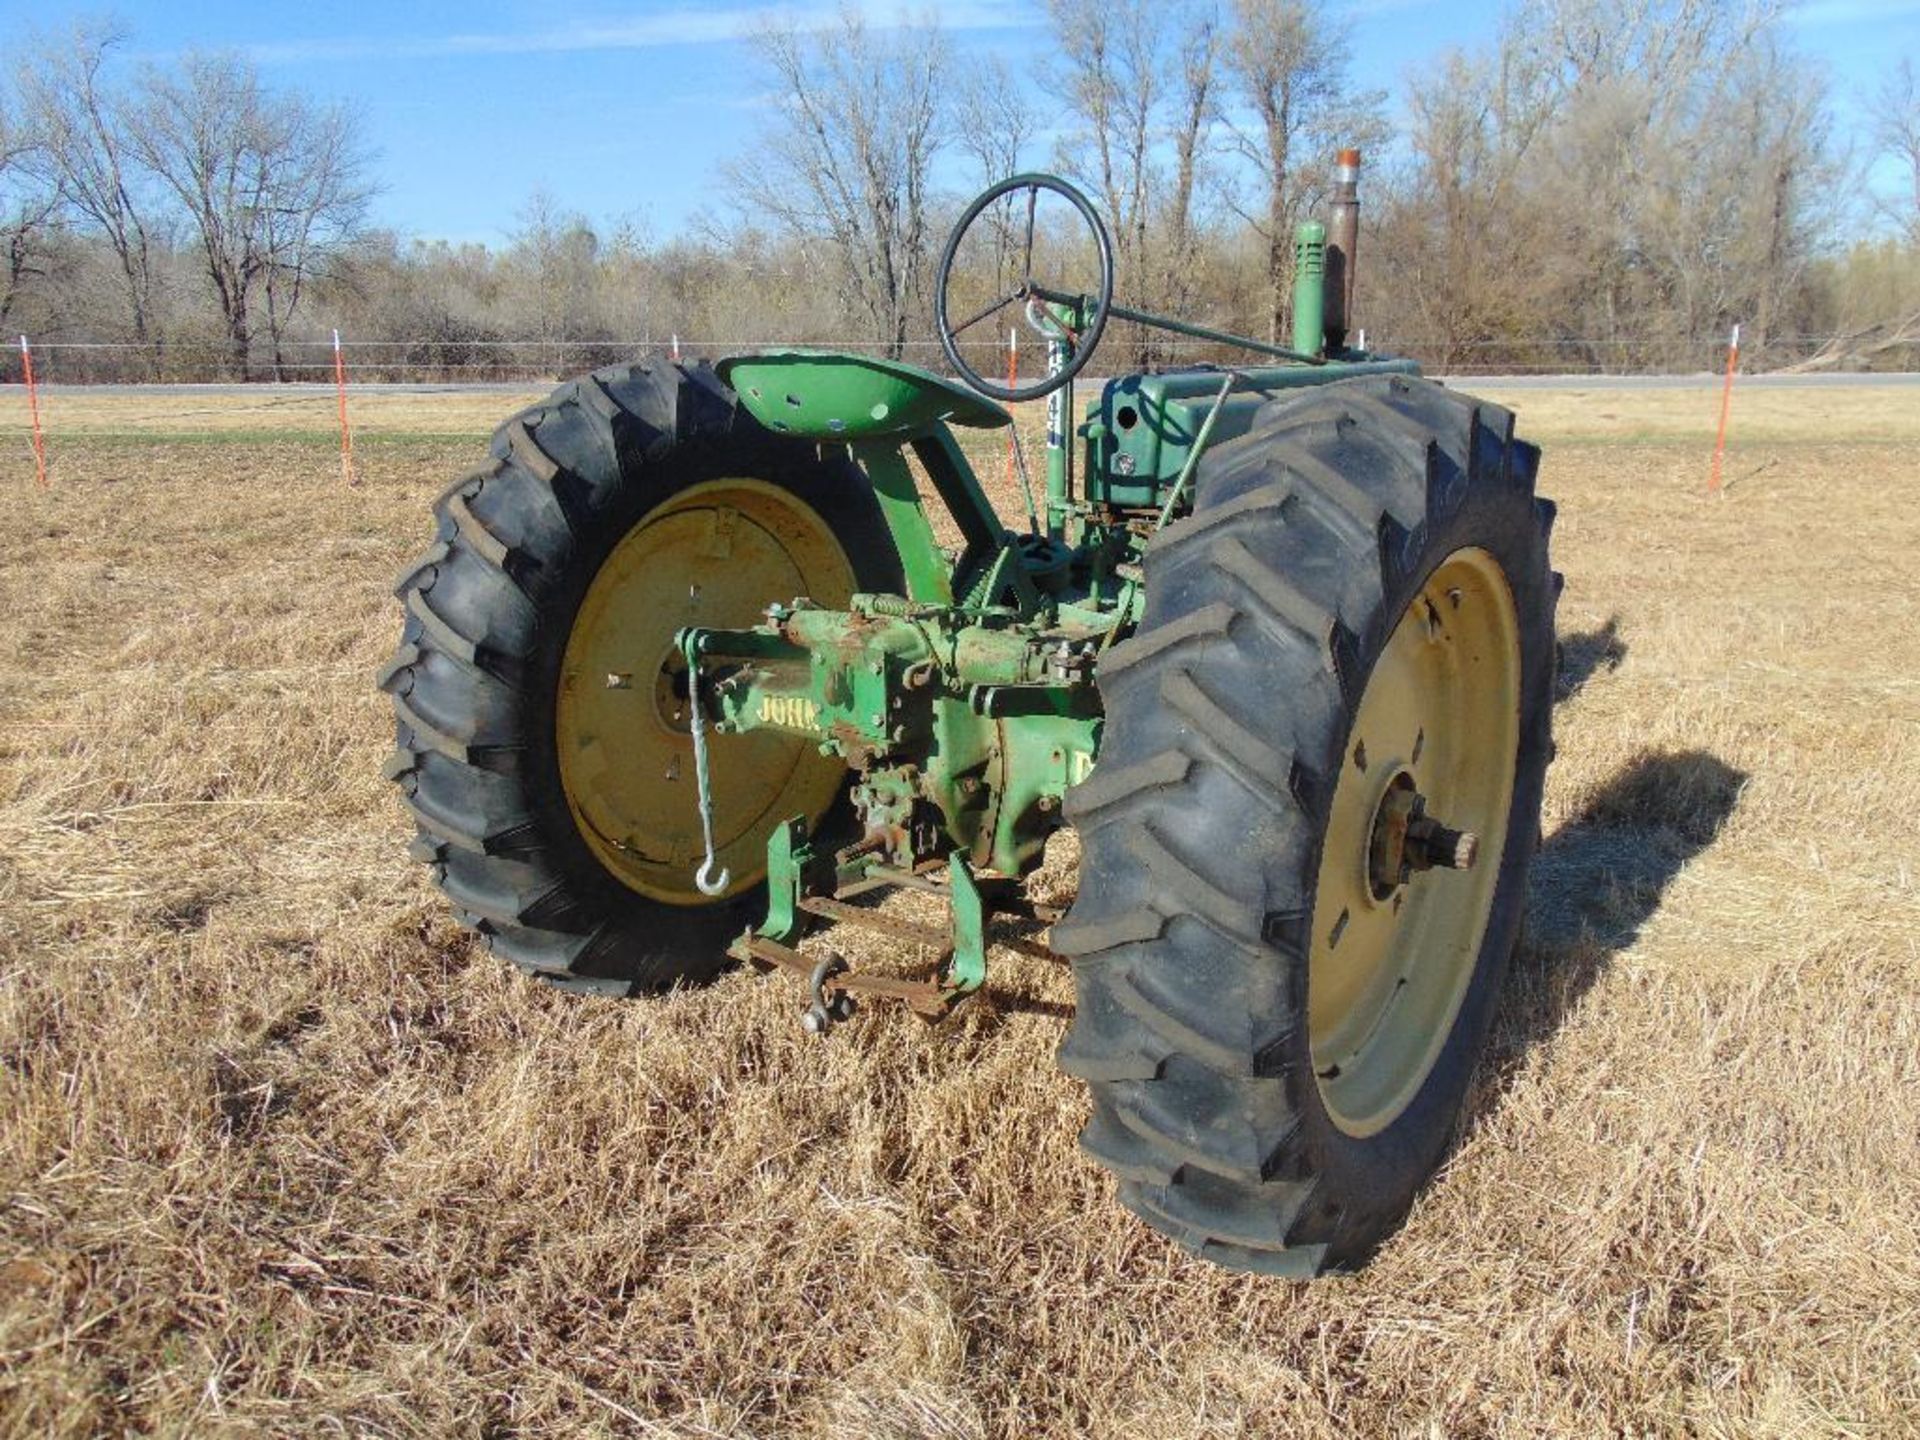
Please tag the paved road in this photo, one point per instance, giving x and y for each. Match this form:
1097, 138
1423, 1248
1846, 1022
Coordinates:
463, 387
1504, 382
1676, 382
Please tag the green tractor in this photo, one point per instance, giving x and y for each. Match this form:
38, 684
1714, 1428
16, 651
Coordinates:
687, 671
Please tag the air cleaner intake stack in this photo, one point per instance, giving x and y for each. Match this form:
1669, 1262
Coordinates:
1343, 236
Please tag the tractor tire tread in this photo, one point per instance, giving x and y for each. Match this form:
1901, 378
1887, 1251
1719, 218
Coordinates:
516, 542
1226, 713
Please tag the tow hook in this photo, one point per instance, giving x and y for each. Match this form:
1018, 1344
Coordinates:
823, 1013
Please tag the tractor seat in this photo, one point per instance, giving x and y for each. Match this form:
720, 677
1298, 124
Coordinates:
830, 395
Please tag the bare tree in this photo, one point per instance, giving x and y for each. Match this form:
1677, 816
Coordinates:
269, 183
993, 124
1610, 183
1614, 182
1454, 240
551, 265
1289, 67
316, 200
84, 153
1141, 96
1110, 75
1895, 113
848, 162
1196, 107
993, 120
1780, 145
27, 208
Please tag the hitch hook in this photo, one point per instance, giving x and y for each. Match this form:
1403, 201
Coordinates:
706, 881
823, 1014
704, 878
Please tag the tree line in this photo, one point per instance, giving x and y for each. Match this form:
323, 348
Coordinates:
1606, 184
192, 203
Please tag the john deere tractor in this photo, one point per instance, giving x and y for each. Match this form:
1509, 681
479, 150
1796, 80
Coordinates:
690, 670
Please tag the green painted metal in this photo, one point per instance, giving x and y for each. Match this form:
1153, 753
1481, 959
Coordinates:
966, 708
789, 853
1176, 497
1059, 450
967, 967
827, 395
824, 674
1182, 327
1061, 317
929, 575
990, 722
983, 534
1004, 584
1141, 429
1310, 287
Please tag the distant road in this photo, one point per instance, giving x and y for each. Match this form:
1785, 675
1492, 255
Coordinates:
1504, 382
460, 387
1674, 382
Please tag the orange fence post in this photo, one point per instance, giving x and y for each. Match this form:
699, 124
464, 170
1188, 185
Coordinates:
33, 409
346, 430
1726, 404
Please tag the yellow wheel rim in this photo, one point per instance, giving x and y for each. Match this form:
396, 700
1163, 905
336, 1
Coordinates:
716, 554
1395, 943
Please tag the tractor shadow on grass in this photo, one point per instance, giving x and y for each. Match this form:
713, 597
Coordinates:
1596, 883
995, 1005
1586, 654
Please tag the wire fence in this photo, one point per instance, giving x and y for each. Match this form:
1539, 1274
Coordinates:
541, 360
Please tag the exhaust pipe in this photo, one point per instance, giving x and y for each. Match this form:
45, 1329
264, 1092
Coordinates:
1343, 237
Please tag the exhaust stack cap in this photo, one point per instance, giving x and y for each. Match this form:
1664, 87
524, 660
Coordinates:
1348, 162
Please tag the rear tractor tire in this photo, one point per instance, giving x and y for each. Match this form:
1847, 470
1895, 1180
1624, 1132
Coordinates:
541, 708
1306, 844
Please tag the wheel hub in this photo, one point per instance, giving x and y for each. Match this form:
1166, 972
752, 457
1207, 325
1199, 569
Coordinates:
1406, 840
672, 694
1425, 784
713, 554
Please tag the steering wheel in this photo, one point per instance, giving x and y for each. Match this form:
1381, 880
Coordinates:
1027, 290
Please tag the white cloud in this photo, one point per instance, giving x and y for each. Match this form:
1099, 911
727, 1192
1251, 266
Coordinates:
665, 27
1852, 12
1364, 10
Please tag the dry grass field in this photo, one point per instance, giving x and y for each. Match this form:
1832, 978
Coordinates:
281, 1151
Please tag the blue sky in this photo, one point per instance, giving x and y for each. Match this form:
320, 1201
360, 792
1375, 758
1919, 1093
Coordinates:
628, 110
